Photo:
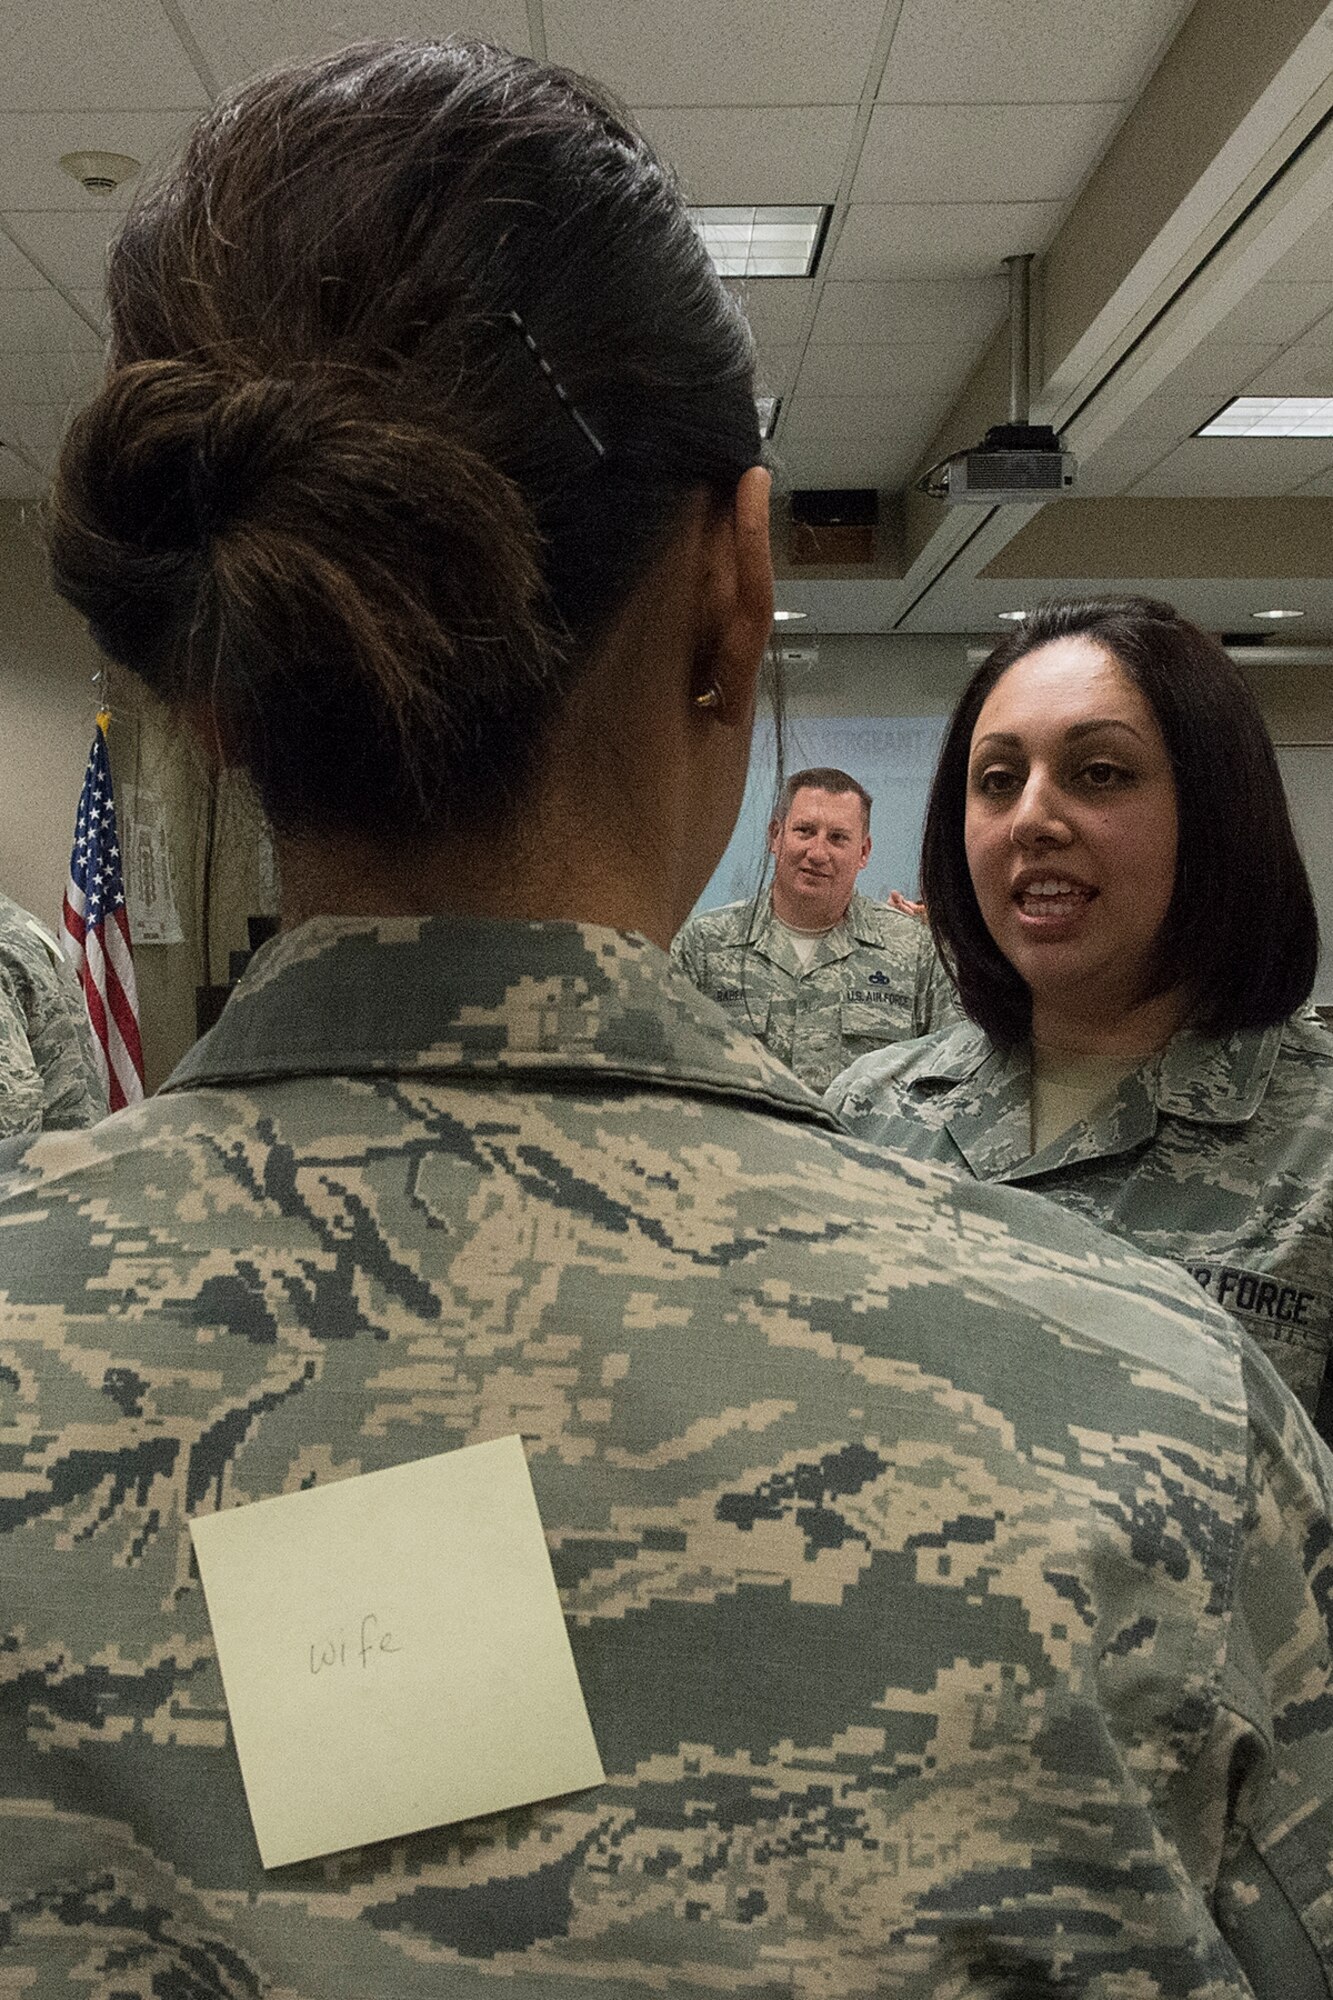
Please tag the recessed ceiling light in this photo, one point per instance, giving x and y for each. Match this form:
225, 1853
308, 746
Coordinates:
783, 617
1012, 617
768, 407
1273, 417
762, 242
1277, 614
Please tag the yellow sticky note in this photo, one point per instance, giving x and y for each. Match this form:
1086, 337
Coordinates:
393, 1652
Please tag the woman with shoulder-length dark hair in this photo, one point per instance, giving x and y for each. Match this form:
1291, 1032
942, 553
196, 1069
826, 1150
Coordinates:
1113, 880
425, 485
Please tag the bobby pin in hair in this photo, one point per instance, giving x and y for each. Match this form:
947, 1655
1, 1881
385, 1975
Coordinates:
565, 401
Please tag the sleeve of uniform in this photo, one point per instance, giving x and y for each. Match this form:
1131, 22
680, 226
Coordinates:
935, 1003
685, 954
855, 1092
1272, 1752
20, 1079
62, 1047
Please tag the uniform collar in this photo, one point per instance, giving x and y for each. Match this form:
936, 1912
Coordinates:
468, 997
1198, 1078
772, 940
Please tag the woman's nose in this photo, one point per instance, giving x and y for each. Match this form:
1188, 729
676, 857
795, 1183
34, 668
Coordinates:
1037, 817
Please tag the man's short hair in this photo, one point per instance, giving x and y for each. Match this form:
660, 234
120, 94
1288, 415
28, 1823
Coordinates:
823, 778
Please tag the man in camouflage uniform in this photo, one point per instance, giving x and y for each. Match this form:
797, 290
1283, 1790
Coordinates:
1216, 1154
818, 973
48, 1072
947, 1583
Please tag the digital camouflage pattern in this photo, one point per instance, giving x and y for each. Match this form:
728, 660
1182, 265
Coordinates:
1218, 1153
949, 1585
48, 1072
874, 978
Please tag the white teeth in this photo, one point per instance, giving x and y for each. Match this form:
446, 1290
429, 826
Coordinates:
1052, 888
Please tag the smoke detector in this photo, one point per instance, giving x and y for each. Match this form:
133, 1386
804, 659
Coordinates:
99, 173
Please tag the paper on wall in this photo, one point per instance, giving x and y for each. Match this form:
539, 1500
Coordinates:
149, 890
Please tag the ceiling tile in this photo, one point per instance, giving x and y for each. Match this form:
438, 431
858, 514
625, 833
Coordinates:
71, 247
1228, 468
1304, 370
1026, 51
1277, 312
838, 370
239, 37
1310, 260
37, 427
67, 376
1321, 486
718, 51
777, 156
775, 307
40, 323
845, 464
17, 480
934, 239
1220, 367
963, 310
775, 367
16, 272
32, 142
981, 152
1150, 435
114, 54
874, 419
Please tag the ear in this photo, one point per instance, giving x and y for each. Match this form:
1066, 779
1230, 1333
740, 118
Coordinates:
739, 618
774, 835
865, 854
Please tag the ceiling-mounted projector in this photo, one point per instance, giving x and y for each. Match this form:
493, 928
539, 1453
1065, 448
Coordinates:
1017, 460
1012, 462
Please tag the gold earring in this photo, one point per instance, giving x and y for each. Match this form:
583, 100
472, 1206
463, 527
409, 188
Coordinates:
710, 698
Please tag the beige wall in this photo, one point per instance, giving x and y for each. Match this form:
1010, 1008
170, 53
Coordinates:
47, 704
48, 700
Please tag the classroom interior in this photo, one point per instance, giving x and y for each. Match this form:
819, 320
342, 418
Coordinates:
1168, 166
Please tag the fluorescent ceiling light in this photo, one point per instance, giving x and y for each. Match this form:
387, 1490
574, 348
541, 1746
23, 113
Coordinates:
1272, 417
1013, 617
768, 407
782, 617
1277, 614
761, 242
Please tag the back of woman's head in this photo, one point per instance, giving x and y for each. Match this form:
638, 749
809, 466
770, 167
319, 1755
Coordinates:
1241, 933
415, 361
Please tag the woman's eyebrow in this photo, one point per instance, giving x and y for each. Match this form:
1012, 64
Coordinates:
999, 739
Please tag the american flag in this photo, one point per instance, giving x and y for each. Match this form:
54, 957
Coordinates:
95, 931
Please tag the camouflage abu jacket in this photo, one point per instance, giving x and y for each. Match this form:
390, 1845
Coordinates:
1218, 1154
874, 978
48, 1073
946, 1582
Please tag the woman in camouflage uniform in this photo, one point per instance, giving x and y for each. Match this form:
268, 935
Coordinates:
944, 1581
1113, 875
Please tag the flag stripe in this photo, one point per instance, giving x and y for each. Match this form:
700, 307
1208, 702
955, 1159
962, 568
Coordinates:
96, 932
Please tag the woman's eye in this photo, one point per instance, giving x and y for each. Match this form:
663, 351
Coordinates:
1102, 777
995, 784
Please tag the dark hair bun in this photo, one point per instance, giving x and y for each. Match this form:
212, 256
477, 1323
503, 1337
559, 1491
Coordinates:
415, 359
267, 523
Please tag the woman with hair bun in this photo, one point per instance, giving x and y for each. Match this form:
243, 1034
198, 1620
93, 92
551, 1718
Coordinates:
932, 1641
1111, 873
